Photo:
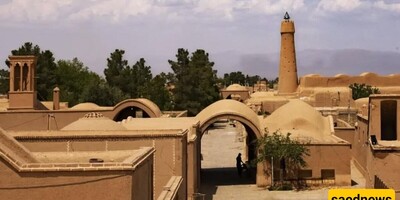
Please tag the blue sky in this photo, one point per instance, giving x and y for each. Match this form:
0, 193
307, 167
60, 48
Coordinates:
227, 29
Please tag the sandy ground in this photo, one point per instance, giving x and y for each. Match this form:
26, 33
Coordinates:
219, 178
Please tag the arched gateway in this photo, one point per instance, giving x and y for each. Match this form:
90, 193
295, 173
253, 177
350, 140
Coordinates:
231, 109
129, 107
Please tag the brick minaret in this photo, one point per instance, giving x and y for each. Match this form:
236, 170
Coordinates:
287, 68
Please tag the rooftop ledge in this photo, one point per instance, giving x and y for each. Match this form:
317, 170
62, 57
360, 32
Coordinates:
385, 145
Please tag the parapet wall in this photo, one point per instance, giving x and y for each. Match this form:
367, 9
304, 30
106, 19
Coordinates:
341, 80
322, 91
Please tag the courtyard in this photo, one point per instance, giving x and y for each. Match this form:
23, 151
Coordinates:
219, 178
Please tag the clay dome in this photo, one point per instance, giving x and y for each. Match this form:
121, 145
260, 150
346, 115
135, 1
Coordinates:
341, 75
236, 87
85, 106
368, 74
94, 121
300, 119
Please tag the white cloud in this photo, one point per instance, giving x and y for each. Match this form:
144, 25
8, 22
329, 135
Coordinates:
338, 5
115, 10
279, 7
227, 8
387, 6
40, 10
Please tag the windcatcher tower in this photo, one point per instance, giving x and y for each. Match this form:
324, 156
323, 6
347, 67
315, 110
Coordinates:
22, 94
287, 68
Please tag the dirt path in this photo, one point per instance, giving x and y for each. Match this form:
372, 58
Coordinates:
219, 178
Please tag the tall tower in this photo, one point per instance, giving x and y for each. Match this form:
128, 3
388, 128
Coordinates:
22, 94
287, 68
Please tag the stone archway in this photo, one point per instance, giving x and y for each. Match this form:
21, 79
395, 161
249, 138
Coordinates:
124, 108
231, 109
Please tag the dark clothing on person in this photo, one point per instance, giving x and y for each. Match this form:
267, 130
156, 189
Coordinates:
239, 164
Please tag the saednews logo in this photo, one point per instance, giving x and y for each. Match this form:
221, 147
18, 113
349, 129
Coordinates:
361, 194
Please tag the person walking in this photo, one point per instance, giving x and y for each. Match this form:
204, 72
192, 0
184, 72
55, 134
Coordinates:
239, 163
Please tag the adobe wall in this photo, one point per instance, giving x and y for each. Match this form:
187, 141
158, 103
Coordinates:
360, 145
85, 185
372, 162
375, 113
345, 80
345, 133
41, 120
34, 120
170, 155
330, 156
142, 181
244, 95
335, 91
385, 165
194, 162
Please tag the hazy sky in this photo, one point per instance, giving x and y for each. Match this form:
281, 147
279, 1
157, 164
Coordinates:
155, 29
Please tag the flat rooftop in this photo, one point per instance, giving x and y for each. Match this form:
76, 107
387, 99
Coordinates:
160, 123
85, 156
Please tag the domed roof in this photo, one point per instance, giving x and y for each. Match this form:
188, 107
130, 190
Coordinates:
300, 119
236, 87
341, 75
93, 121
86, 106
368, 74
312, 75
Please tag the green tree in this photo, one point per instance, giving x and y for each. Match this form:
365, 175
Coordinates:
117, 71
362, 90
133, 81
72, 78
240, 78
234, 77
195, 81
102, 94
140, 79
158, 92
251, 80
45, 69
273, 82
4, 81
281, 148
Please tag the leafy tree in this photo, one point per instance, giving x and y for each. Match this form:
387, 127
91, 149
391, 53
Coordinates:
195, 81
234, 77
45, 69
239, 78
362, 90
251, 80
281, 148
102, 94
158, 92
271, 83
117, 71
4, 81
133, 81
140, 79
72, 78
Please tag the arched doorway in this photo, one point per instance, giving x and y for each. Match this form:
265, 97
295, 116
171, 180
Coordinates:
231, 111
143, 108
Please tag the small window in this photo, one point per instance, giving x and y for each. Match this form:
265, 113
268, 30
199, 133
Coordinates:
305, 173
328, 173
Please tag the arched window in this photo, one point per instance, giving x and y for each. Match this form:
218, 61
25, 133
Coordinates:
388, 120
17, 77
25, 79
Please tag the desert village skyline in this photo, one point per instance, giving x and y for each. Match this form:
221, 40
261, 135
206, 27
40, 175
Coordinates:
133, 150
334, 36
